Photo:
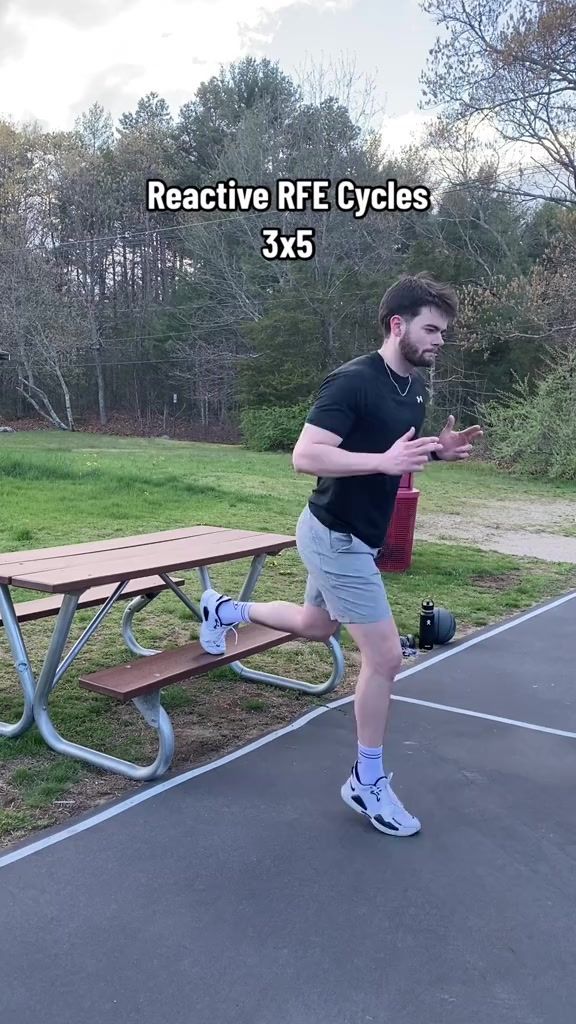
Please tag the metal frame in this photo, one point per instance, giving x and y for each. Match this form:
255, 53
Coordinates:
37, 693
21, 664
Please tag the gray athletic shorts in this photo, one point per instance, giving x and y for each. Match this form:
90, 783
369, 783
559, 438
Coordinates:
343, 577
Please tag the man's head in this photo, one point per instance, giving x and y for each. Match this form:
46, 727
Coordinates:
414, 314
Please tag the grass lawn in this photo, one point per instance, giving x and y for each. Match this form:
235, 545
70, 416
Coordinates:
64, 489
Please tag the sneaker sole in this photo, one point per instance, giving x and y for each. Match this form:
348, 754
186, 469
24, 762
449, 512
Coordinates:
401, 830
211, 650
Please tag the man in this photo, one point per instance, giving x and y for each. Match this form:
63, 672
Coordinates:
360, 436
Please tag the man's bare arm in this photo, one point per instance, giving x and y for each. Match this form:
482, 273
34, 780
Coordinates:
317, 453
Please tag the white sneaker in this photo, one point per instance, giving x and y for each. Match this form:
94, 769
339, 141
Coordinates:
380, 805
212, 632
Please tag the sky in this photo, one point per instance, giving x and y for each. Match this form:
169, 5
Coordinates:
57, 57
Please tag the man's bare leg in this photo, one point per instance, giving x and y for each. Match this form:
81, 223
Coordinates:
302, 620
220, 613
368, 789
381, 653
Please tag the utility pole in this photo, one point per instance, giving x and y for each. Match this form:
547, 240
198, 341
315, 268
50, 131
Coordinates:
4, 357
174, 401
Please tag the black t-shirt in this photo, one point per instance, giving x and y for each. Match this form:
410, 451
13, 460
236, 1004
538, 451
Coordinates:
359, 402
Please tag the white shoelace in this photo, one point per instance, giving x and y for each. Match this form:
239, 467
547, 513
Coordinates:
222, 630
377, 790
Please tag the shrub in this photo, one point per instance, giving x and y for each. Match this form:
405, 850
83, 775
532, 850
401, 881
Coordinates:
534, 427
273, 428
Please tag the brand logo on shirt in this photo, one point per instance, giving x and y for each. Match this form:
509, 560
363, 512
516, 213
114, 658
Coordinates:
419, 398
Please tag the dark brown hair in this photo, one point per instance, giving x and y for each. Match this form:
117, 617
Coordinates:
410, 294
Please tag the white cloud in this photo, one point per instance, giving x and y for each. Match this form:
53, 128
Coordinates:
79, 12
168, 48
404, 129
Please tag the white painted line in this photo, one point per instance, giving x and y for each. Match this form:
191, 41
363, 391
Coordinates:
161, 787
491, 718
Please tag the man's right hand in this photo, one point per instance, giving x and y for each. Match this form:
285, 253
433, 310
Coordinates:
408, 454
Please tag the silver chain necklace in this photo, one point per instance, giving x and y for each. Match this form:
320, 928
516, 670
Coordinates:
401, 393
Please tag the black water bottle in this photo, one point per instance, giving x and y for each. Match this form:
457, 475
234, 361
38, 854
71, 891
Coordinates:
426, 639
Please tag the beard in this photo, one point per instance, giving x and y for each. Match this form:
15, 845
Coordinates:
412, 353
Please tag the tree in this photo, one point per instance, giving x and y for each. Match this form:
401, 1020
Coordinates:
152, 111
46, 336
509, 64
211, 120
544, 227
95, 129
255, 304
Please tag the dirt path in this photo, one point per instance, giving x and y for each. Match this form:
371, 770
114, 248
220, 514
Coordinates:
530, 527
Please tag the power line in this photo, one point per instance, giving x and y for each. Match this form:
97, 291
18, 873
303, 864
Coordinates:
139, 362
439, 384
105, 306
120, 236
130, 237
168, 334
192, 329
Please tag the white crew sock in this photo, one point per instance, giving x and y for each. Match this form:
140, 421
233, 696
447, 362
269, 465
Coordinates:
369, 765
232, 612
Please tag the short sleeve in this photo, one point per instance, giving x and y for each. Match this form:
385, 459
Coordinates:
337, 405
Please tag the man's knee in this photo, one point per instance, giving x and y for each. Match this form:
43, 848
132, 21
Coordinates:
385, 660
316, 624
380, 648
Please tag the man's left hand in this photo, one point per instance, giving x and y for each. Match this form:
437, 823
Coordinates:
457, 444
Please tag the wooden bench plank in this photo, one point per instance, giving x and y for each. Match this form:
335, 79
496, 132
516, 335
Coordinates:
146, 674
171, 557
29, 611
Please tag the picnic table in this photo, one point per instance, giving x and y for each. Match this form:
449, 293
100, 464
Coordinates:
101, 573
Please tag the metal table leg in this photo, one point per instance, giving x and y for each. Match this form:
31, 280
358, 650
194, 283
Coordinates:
149, 707
21, 664
88, 632
335, 678
141, 602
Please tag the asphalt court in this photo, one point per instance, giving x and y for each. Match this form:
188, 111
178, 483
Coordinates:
526, 672
246, 891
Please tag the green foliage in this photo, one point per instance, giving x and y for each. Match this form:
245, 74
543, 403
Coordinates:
212, 119
542, 230
270, 428
287, 352
534, 428
151, 111
125, 307
307, 330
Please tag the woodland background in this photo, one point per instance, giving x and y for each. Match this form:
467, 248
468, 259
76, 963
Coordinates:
120, 320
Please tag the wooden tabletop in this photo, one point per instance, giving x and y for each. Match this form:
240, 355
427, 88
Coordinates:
77, 566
